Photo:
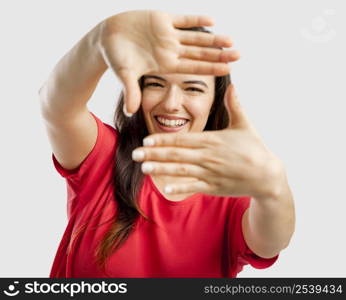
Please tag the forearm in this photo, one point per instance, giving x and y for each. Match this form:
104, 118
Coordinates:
270, 222
74, 78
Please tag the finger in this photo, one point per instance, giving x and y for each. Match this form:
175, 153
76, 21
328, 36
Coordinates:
132, 92
193, 187
208, 54
174, 169
131, 97
186, 140
238, 115
190, 66
168, 154
203, 39
192, 21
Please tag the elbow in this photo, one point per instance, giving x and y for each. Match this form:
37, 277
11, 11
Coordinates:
269, 251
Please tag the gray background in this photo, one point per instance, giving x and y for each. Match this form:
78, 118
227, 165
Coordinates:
289, 80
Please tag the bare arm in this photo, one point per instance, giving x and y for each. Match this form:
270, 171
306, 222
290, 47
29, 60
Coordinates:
74, 79
269, 223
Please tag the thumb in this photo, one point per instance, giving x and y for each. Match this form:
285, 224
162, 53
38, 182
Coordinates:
236, 114
132, 92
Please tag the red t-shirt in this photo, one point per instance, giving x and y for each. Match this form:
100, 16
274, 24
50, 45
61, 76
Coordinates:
200, 236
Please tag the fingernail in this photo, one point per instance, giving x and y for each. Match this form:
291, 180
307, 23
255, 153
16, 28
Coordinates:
148, 142
147, 167
126, 113
137, 155
168, 189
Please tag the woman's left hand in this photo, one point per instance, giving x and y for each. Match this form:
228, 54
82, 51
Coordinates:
230, 162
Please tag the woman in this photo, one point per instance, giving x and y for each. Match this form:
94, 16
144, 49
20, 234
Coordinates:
124, 221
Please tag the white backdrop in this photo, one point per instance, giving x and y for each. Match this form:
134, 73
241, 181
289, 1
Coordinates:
290, 81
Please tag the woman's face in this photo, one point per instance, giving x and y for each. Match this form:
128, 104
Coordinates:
171, 97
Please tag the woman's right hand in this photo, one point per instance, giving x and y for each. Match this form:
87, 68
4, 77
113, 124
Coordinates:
139, 42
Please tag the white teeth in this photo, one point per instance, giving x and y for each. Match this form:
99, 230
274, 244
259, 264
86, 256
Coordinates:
172, 123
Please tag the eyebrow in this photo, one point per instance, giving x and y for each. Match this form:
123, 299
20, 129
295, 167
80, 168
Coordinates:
187, 81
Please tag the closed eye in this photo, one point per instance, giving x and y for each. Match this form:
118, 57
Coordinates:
153, 83
195, 89
190, 88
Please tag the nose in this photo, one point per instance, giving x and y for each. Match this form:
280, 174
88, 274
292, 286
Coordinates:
172, 100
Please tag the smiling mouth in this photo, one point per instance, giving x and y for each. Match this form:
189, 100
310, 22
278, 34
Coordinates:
171, 123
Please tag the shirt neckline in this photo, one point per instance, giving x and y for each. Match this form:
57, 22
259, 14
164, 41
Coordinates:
189, 199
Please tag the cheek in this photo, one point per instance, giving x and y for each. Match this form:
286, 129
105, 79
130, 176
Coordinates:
198, 111
148, 105
200, 114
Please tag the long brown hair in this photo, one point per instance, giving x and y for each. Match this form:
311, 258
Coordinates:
129, 177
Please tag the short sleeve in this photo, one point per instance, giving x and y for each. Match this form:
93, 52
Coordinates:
90, 179
241, 254
97, 164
